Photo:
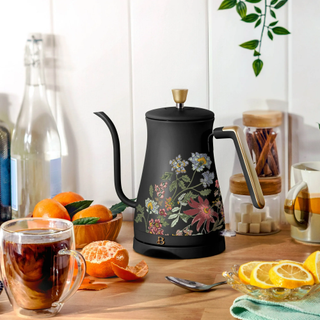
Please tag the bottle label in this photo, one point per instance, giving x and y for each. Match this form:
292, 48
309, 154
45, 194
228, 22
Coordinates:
14, 184
5, 181
55, 177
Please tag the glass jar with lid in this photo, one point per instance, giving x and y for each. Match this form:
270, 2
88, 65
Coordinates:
244, 217
263, 134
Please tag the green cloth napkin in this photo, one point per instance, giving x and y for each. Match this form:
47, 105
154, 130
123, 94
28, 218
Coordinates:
248, 308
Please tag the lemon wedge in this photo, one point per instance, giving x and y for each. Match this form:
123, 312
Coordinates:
245, 271
312, 264
260, 275
290, 275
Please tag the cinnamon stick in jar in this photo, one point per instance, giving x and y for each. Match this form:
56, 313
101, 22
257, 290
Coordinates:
261, 134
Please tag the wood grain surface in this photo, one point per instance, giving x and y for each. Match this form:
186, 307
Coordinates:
156, 298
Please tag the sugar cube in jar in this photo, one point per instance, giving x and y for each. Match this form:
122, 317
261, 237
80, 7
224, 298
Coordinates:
244, 218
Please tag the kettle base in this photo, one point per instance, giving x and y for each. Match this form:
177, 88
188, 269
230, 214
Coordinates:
178, 252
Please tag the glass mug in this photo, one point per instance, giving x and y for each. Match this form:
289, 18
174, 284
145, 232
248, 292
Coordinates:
37, 263
302, 203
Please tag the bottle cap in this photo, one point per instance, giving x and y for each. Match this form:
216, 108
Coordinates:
262, 118
34, 35
269, 186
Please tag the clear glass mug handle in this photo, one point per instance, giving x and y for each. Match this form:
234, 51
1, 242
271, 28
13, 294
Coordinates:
80, 275
289, 206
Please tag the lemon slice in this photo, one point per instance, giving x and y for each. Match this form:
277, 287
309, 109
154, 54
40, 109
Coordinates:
260, 275
290, 275
291, 261
312, 264
245, 271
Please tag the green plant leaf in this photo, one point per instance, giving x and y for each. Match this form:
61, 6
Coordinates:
88, 220
185, 217
151, 191
270, 35
251, 45
253, 1
258, 23
273, 2
280, 31
252, 17
256, 53
173, 185
167, 176
77, 206
227, 4
118, 208
272, 24
272, 13
258, 10
280, 4
182, 185
139, 217
257, 66
205, 192
174, 222
318, 124
242, 9
185, 178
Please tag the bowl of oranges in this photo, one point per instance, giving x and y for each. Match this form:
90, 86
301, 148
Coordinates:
278, 281
92, 222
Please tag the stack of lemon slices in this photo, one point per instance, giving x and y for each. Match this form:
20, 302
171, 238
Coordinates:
284, 273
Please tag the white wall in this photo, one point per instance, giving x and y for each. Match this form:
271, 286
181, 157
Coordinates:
124, 57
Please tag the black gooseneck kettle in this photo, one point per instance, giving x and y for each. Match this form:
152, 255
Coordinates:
179, 211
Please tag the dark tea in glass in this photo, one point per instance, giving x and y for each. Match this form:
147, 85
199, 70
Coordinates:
37, 263
36, 275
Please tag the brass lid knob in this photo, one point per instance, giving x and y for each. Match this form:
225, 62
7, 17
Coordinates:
179, 96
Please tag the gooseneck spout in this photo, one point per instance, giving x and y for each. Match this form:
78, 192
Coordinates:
116, 157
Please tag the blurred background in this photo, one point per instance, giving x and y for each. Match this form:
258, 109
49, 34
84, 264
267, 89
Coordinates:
123, 57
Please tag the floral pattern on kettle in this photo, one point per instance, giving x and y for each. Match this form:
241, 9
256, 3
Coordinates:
187, 203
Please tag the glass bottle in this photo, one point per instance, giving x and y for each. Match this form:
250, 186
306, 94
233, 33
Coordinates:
5, 184
35, 147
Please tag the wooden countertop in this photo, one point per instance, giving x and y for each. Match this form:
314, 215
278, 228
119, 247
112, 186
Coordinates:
156, 298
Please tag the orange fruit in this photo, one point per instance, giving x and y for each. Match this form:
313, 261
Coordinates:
97, 210
131, 273
49, 208
67, 197
100, 255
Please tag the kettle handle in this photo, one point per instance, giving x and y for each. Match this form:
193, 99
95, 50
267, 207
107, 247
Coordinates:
116, 157
237, 135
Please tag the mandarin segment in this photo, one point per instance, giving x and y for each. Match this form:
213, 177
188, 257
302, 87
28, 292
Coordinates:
98, 210
67, 197
131, 273
99, 256
49, 208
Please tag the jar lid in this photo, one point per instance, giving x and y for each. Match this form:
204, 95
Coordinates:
262, 118
269, 186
